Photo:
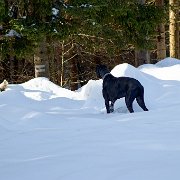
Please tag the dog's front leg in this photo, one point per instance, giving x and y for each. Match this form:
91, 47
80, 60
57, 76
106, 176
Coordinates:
107, 106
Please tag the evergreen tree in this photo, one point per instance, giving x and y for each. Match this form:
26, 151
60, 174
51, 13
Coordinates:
36, 22
117, 23
97, 26
103, 22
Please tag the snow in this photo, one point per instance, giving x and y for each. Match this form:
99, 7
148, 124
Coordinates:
55, 11
51, 133
13, 33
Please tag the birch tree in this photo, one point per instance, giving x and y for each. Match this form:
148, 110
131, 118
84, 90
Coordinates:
174, 28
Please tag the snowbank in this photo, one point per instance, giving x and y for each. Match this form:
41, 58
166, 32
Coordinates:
48, 132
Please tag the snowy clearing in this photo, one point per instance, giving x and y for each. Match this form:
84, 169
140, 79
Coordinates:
51, 133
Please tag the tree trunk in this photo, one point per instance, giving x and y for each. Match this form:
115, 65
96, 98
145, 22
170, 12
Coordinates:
62, 63
11, 68
174, 28
73, 73
41, 61
179, 30
161, 45
58, 52
141, 56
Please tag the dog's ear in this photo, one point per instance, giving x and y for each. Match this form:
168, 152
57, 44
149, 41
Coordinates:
97, 71
104, 67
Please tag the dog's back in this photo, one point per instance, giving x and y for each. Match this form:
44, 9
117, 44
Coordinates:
118, 87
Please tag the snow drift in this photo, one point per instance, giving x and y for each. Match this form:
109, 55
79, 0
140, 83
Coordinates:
48, 132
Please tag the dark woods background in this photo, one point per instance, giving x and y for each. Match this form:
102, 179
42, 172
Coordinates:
64, 40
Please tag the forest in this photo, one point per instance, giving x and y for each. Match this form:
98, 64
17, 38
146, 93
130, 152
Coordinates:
64, 40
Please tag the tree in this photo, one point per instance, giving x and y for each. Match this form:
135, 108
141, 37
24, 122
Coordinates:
99, 27
41, 60
141, 56
174, 28
161, 44
120, 25
37, 24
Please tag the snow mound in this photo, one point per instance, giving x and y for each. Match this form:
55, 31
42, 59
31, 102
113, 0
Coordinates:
133, 72
129, 71
124, 69
39, 88
92, 93
167, 62
91, 89
167, 69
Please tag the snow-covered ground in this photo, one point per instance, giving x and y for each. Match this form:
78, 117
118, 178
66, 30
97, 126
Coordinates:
51, 133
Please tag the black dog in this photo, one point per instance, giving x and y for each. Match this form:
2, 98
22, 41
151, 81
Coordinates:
115, 88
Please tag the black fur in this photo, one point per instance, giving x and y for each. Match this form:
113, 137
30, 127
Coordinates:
116, 88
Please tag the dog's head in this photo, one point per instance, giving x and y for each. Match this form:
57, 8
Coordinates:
101, 70
98, 71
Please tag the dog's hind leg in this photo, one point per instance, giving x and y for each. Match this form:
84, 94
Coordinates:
107, 106
112, 106
129, 102
140, 101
